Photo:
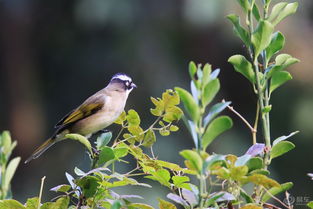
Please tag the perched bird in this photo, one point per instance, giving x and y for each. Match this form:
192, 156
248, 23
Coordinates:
94, 114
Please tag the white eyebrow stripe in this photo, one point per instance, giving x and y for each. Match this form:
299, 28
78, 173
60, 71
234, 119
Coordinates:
122, 77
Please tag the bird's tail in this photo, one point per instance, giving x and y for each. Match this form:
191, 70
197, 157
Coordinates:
41, 149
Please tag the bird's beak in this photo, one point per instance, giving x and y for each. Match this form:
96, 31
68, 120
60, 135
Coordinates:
133, 85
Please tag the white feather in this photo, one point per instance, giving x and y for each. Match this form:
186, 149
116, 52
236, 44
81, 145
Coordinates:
122, 77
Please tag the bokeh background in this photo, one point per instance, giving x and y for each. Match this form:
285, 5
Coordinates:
54, 54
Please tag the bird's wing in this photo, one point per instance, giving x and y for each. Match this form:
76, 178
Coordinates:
89, 107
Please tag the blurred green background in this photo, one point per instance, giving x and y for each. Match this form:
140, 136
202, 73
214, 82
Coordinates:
54, 54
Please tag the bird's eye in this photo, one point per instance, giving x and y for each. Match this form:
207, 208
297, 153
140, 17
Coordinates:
127, 83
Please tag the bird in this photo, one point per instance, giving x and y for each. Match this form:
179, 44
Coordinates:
95, 114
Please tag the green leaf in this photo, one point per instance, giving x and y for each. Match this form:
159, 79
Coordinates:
194, 158
6, 142
89, 185
103, 139
281, 11
243, 66
278, 79
81, 139
206, 74
192, 70
12, 166
162, 176
210, 90
133, 118
32, 203
12, 204
116, 205
215, 128
239, 30
106, 154
276, 190
149, 138
277, 43
121, 150
254, 163
260, 171
310, 204
180, 181
256, 12
282, 61
166, 205
247, 197
61, 188
171, 166
244, 4
281, 148
61, 203
261, 37
189, 103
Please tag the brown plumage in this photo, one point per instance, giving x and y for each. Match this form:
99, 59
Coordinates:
94, 114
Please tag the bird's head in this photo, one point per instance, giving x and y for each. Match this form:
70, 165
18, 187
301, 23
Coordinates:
122, 82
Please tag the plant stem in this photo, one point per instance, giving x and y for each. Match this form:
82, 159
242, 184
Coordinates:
202, 177
40, 192
263, 100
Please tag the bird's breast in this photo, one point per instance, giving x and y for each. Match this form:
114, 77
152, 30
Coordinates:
101, 119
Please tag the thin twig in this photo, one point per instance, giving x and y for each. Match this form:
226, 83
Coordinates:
288, 202
152, 153
253, 131
278, 200
40, 192
118, 135
255, 127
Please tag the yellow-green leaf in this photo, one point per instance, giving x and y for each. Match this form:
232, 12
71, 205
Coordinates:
133, 118
263, 180
120, 120
194, 158
166, 205
251, 206
149, 138
12, 204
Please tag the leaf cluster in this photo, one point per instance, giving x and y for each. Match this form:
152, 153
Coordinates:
8, 167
